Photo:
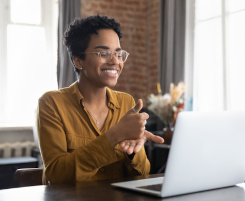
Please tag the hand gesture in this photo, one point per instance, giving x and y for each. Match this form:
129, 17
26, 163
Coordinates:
134, 145
130, 146
131, 126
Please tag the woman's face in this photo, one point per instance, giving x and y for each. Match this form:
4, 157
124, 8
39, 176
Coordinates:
94, 71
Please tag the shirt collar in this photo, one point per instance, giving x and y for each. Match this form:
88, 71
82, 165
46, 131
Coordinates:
112, 98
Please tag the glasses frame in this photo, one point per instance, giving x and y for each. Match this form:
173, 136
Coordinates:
112, 53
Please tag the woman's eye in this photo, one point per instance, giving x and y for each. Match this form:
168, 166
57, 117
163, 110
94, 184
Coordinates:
104, 54
119, 54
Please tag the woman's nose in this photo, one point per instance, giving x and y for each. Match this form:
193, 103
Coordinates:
114, 58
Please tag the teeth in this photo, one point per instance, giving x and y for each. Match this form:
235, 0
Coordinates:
110, 71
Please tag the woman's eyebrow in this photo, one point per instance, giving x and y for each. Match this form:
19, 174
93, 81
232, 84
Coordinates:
102, 47
106, 48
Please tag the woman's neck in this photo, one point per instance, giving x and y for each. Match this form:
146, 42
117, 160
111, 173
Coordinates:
93, 97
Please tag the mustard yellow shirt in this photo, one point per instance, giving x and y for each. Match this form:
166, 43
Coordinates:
73, 148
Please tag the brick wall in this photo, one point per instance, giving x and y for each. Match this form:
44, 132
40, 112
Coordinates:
140, 26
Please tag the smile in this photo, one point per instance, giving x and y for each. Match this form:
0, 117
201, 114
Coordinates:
110, 71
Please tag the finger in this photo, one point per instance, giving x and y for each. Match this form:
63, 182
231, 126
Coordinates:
131, 146
138, 147
130, 149
143, 117
138, 106
153, 138
122, 144
125, 148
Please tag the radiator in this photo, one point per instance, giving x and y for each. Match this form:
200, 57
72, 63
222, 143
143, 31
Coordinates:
16, 149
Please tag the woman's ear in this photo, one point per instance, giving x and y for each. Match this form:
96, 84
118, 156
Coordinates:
77, 62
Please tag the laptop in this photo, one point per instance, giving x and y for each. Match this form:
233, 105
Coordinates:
207, 152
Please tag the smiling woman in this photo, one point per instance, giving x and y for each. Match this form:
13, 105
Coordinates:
88, 131
27, 59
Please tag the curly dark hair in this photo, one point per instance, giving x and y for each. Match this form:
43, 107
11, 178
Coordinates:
78, 34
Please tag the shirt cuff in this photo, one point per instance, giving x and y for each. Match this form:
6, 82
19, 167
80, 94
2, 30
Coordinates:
131, 156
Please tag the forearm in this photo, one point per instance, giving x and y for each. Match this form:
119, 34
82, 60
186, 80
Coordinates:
66, 156
81, 164
94, 156
61, 169
113, 136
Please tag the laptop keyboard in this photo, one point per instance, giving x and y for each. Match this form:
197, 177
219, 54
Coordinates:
155, 187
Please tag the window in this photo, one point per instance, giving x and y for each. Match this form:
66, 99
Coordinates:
27, 57
219, 49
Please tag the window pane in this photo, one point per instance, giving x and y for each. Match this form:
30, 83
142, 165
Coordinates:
21, 12
236, 52
208, 73
28, 73
235, 5
207, 9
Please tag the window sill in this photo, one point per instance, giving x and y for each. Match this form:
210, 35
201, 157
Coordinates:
15, 128
16, 134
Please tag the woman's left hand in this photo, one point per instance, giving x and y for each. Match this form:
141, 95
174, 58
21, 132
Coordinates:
130, 146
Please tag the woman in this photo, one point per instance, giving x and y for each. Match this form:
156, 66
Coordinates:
88, 131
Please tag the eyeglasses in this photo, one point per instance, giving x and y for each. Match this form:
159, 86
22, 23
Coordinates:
106, 56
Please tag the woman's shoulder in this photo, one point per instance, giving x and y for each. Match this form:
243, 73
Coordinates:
50, 94
59, 94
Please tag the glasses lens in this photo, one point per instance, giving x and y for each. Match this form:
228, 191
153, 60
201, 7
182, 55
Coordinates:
121, 56
105, 56
124, 55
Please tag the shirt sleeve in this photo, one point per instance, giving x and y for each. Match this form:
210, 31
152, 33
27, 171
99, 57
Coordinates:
61, 166
139, 165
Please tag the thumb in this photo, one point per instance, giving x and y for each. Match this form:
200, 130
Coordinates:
139, 105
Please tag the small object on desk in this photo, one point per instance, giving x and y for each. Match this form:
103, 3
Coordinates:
168, 134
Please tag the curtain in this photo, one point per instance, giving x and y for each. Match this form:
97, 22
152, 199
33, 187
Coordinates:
68, 11
172, 42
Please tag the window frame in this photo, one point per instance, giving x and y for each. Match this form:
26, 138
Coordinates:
49, 8
190, 51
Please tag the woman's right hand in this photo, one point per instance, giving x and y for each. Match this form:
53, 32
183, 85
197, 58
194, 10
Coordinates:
131, 126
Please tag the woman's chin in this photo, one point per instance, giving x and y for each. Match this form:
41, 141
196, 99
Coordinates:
111, 82
111, 85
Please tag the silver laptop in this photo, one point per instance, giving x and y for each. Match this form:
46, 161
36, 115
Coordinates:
207, 152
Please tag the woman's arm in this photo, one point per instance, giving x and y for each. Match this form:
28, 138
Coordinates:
60, 165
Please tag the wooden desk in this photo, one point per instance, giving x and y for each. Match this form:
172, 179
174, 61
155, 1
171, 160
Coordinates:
103, 191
